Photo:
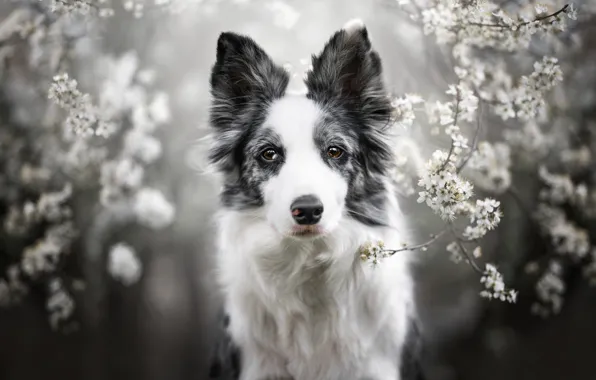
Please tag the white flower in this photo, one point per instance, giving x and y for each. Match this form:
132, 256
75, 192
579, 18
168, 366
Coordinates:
457, 255
530, 143
60, 304
82, 114
440, 112
489, 167
494, 287
572, 12
159, 109
124, 265
549, 290
403, 109
373, 253
560, 188
443, 190
486, 216
566, 237
152, 209
540, 8
71, 6
45, 254
142, 146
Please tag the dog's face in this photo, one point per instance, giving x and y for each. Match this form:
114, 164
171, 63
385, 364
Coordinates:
304, 162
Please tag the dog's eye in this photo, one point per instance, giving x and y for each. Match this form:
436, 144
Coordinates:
270, 155
334, 152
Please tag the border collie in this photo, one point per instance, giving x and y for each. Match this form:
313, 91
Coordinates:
305, 184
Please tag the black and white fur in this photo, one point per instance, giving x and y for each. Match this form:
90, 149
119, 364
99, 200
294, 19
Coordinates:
299, 302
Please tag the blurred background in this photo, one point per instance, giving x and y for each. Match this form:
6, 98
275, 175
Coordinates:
106, 250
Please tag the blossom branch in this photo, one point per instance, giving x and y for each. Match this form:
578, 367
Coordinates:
454, 124
474, 141
517, 26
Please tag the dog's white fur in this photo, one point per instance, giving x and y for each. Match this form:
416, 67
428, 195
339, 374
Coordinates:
309, 308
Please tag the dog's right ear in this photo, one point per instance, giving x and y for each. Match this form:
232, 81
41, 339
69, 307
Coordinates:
244, 81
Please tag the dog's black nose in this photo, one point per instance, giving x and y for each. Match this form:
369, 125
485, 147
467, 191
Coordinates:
307, 209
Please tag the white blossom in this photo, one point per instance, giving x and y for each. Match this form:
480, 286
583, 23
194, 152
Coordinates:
454, 249
373, 253
159, 109
71, 6
403, 109
549, 290
142, 146
152, 209
124, 265
485, 215
489, 167
530, 144
560, 188
118, 178
442, 188
566, 237
494, 287
44, 256
60, 304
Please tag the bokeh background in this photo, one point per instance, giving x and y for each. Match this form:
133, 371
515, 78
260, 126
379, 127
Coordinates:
163, 325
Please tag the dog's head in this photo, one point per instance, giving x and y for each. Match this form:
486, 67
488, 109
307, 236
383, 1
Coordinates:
305, 162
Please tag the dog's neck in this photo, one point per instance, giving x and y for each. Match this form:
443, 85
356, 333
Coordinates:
285, 266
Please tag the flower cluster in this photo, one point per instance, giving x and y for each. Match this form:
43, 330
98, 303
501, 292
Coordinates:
550, 289
83, 117
403, 109
494, 287
443, 190
525, 100
44, 255
485, 215
13, 289
566, 238
529, 143
373, 253
489, 167
50, 207
560, 189
71, 6
60, 303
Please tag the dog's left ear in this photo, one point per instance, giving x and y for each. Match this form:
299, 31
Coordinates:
244, 82
242, 75
349, 72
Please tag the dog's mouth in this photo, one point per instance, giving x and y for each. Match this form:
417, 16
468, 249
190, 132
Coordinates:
306, 231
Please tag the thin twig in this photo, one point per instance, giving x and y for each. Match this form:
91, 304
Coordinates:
465, 251
474, 141
434, 238
455, 118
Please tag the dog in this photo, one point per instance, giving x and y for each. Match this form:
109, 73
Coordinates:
305, 185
